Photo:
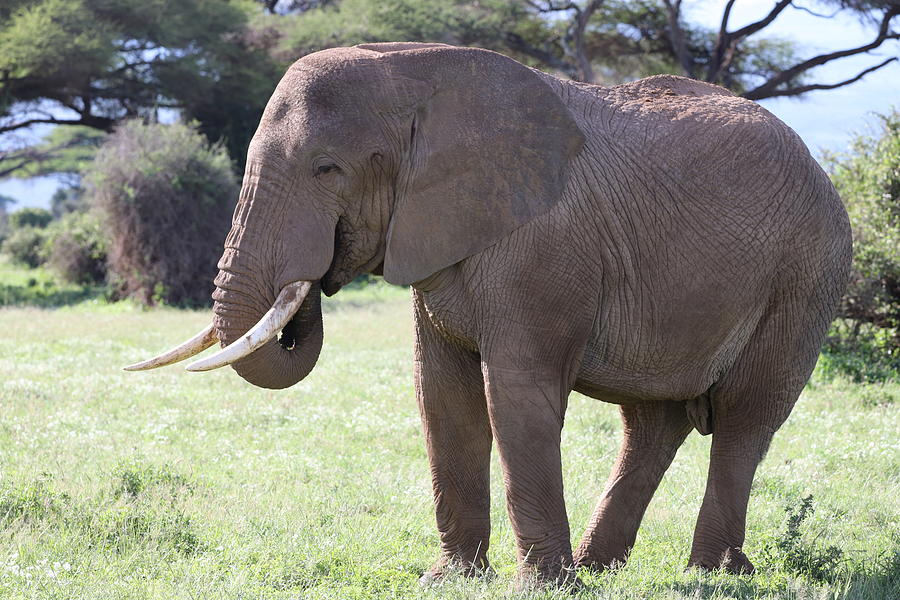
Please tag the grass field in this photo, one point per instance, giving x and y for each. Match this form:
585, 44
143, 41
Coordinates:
174, 485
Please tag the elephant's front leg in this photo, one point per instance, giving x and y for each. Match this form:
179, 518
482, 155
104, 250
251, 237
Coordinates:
527, 411
450, 392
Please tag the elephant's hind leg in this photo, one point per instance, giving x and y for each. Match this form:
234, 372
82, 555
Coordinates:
652, 434
450, 392
749, 404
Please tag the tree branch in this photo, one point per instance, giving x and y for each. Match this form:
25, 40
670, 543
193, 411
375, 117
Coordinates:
815, 14
578, 66
726, 42
7, 171
752, 28
517, 43
717, 58
726, 14
30, 122
795, 91
676, 35
769, 88
102, 123
552, 7
576, 35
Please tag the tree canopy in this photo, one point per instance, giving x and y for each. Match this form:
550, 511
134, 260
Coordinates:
597, 40
89, 64
94, 63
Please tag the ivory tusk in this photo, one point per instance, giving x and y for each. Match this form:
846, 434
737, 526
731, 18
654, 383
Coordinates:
195, 345
285, 306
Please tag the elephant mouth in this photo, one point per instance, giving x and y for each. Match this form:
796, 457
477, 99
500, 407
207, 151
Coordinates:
337, 277
339, 273
290, 333
333, 281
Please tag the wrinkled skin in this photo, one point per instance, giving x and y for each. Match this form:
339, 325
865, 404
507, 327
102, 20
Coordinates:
662, 245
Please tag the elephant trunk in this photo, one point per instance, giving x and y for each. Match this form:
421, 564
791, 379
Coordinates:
269, 281
279, 362
268, 252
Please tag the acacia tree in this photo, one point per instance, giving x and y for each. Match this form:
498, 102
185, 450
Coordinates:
62, 152
93, 63
599, 40
735, 57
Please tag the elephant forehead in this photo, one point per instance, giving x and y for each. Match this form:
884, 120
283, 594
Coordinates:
335, 79
309, 100
290, 126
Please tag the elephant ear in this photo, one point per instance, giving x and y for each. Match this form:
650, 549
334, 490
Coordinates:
489, 146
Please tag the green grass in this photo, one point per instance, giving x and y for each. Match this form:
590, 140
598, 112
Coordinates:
20, 286
175, 485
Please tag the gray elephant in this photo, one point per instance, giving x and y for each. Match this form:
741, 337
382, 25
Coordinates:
662, 245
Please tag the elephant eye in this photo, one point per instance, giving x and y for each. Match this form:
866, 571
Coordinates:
323, 169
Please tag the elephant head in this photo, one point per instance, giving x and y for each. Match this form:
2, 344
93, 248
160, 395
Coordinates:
397, 158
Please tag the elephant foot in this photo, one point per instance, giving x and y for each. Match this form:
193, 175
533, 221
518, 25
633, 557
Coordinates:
536, 576
453, 566
597, 560
732, 560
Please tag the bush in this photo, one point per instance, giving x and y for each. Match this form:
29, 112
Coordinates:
793, 553
863, 352
868, 179
67, 200
23, 286
166, 198
75, 248
24, 246
30, 217
4, 216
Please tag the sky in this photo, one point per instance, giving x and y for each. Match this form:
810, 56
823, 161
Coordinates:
826, 120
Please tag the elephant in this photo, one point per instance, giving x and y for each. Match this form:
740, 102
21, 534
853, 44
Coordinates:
663, 245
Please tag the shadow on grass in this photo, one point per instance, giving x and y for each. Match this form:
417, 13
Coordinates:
879, 580
882, 581
726, 587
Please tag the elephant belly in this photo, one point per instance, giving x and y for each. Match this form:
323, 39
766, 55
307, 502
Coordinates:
674, 358
617, 386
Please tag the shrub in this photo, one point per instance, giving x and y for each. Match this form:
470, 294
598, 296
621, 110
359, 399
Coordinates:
133, 477
868, 179
34, 501
24, 245
4, 216
863, 352
794, 553
30, 217
166, 198
75, 248
67, 200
